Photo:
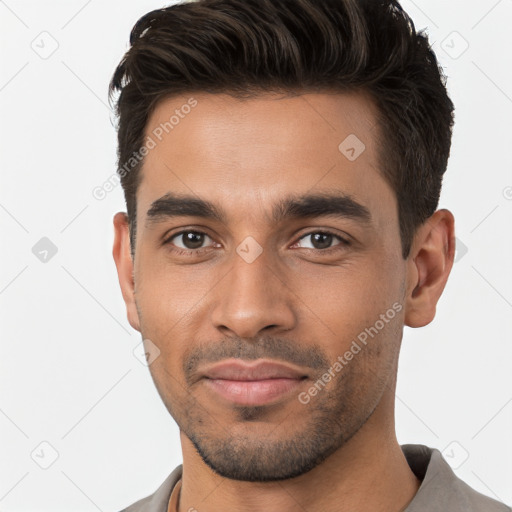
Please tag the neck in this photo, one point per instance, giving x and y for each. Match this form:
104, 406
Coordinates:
368, 473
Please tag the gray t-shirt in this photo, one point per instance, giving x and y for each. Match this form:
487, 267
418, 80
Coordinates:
440, 490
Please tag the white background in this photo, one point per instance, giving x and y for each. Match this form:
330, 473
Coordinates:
68, 373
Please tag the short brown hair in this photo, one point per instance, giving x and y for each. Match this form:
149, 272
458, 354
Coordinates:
249, 47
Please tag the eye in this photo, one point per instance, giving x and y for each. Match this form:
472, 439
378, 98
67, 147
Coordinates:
322, 240
188, 240
192, 242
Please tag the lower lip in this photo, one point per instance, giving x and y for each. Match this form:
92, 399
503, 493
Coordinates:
253, 392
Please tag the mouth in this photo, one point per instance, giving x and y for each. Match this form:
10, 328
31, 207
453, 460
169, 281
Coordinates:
253, 384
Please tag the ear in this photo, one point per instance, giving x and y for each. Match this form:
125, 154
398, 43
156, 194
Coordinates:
124, 264
428, 267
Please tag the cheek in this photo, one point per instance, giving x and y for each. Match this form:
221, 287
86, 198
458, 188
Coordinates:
350, 303
167, 294
349, 293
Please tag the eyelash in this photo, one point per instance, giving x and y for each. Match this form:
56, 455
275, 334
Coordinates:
196, 252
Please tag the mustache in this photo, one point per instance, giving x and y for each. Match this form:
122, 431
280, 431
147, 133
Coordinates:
264, 347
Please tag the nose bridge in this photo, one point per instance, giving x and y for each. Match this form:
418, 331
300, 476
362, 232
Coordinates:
252, 297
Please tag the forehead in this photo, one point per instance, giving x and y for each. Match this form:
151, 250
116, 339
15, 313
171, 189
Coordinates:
246, 155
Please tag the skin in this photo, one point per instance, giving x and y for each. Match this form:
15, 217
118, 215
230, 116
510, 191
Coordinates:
294, 302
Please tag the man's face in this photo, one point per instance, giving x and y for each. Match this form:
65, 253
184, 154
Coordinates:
253, 286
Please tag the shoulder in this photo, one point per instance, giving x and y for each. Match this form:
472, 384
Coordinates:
158, 501
441, 489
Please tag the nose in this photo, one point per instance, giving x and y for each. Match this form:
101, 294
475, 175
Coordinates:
252, 298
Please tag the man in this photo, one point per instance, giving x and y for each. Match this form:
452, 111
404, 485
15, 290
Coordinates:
282, 163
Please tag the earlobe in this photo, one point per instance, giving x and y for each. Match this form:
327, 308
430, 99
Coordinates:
124, 264
429, 266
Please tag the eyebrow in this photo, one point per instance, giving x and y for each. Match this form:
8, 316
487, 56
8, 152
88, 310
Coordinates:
292, 207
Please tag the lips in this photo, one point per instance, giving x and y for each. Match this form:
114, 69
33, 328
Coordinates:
259, 370
255, 383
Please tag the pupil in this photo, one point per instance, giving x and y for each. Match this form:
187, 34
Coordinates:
326, 237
